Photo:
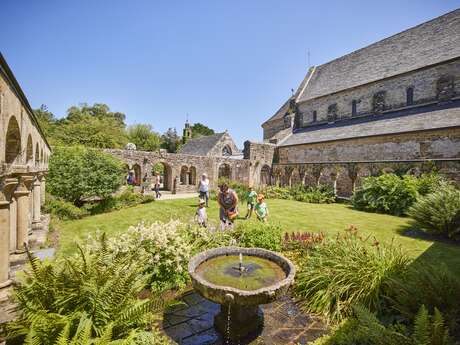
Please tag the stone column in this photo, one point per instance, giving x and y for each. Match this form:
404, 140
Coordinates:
6, 188
22, 197
36, 195
42, 191
13, 224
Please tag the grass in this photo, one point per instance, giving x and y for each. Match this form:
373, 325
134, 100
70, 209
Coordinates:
292, 215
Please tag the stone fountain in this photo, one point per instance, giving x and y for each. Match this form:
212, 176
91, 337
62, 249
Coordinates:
240, 279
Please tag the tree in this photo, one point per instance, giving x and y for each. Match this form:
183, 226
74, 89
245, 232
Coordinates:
144, 137
92, 126
171, 141
200, 130
77, 172
46, 119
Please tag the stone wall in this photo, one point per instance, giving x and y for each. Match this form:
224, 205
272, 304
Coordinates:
435, 144
176, 164
226, 140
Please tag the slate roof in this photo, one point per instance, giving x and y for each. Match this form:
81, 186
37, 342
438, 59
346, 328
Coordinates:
201, 146
426, 118
426, 44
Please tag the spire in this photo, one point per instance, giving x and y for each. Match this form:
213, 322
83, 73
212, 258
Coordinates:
187, 133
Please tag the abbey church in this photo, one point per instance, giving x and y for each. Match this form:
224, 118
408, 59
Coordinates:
391, 106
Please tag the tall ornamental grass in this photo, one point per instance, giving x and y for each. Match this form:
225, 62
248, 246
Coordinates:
345, 271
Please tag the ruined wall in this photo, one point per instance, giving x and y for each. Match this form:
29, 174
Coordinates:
175, 163
261, 159
435, 144
426, 86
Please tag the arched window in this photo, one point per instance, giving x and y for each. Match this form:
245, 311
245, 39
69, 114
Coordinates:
29, 151
378, 102
13, 141
184, 175
192, 176
226, 151
315, 116
353, 107
265, 173
37, 155
410, 95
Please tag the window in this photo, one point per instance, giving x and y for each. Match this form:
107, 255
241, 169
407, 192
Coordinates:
353, 107
378, 102
410, 95
332, 112
226, 151
315, 116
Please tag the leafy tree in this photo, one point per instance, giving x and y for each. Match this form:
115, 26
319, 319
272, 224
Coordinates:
144, 137
171, 141
45, 119
96, 110
77, 172
200, 130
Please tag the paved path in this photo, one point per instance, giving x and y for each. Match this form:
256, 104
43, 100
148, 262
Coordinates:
170, 196
191, 323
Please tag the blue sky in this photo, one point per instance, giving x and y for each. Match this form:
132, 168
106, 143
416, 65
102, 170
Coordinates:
228, 64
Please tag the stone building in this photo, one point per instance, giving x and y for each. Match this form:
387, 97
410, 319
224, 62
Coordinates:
391, 106
216, 155
24, 154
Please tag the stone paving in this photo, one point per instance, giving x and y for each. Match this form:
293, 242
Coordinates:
191, 323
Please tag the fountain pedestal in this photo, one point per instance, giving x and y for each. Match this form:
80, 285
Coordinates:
240, 322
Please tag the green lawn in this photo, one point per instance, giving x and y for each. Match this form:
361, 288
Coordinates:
292, 215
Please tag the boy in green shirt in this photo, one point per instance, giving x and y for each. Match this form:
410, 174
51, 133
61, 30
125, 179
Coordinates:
251, 197
261, 208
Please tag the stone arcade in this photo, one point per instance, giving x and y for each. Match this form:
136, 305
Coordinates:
24, 154
391, 106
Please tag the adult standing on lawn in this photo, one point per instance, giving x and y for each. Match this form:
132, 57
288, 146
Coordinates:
228, 202
203, 188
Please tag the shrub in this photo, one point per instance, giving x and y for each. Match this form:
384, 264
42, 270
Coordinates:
164, 250
63, 210
423, 284
366, 329
76, 173
318, 195
438, 213
387, 193
259, 235
429, 183
345, 271
55, 296
127, 198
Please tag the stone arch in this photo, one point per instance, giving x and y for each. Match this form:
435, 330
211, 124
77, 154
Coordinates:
184, 175
363, 172
192, 175
287, 176
328, 177
309, 178
13, 142
225, 171
37, 154
29, 151
41, 156
344, 182
296, 178
265, 173
137, 174
165, 172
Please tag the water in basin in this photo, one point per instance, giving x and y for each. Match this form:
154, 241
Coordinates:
258, 272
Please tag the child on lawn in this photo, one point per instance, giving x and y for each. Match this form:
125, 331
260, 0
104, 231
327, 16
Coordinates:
201, 215
261, 208
251, 197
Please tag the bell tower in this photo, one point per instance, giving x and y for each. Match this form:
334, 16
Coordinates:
187, 132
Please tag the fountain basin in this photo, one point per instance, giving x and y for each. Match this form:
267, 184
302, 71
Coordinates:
267, 276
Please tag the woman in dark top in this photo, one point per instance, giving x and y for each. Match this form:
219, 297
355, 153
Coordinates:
228, 202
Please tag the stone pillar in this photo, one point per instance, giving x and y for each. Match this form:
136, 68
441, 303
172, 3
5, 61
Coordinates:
6, 188
36, 195
13, 224
42, 191
22, 196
